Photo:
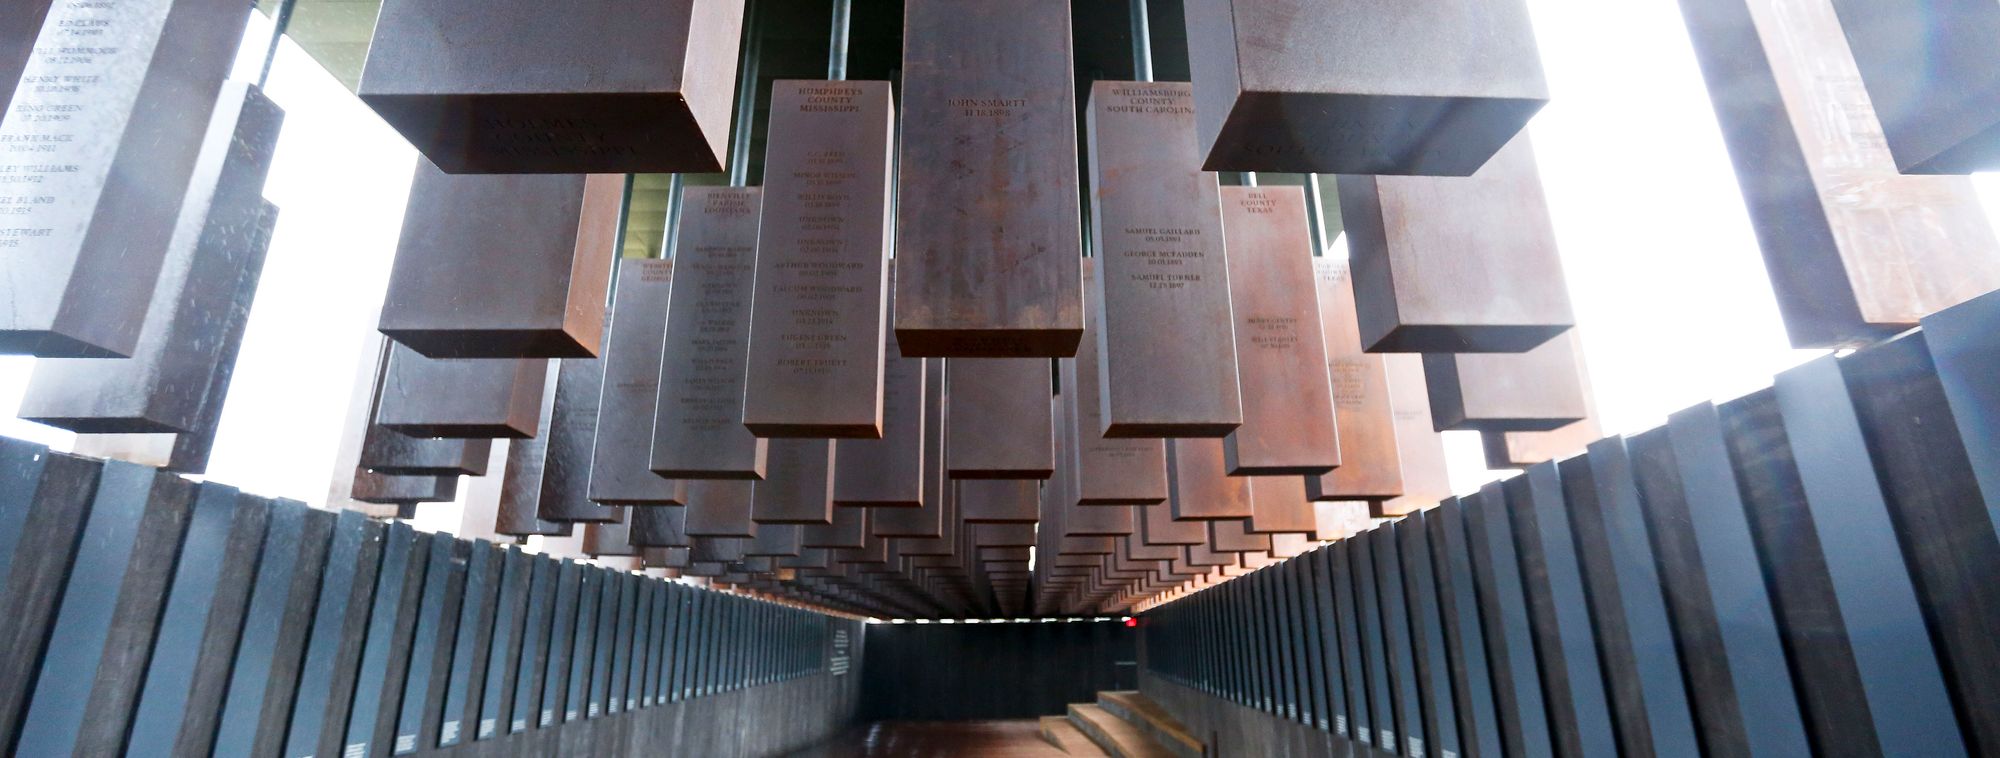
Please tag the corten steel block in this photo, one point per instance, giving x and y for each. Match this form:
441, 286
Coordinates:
571, 435
102, 147
518, 511
610, 539
1506, 450
720, 508
1857, 252
263, 681
1929, 67
798, 484
531, 88
1234, 536
1198, 486
1539, 390
1281, 359
1105, 471
1001, 424
1964, 355
333, 643
1846, 604
777, 540
1727, 628
1558, 620
1371, 466
926, 521
1278, 505
1166, 343
390, 452
189, 670
1367, 87
435, 636
988, 219
848, 530
1159, 526
18, 34
378, 679
657, 526
820, 301
389, 489
698, 424
191, 449
1419, 447
104, 625
889, 472
163, 387
1456, 265
1929, 436
504, 266
467, 398
998, 501
1628, 609
1107, 521
618, 463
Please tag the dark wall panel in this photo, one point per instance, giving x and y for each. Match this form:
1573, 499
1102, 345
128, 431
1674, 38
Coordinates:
945, 672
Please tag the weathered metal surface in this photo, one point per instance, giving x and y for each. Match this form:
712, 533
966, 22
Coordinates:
721, 508
101, 148
926, 521
534, 88
821, 292
1281, 358
461, 398
571, 435
1001, 423
1425, 478
1727, 629
1159, 526
1456, 265
1845, 601
777, 540
1371, 465
1371, 87
1937, 480
1642, 665
848, 530
1166, 344
521, 489
1857, 251
1278, 505
1105, 471
619, 473
1536, 391
384, 451
1506, 450
798, 484
163, 387
698, 425
656, 526
406, 491
988, 213
889, 472
613, 538
992, 501
1198, 487
526, 283
1928, 67
1234, 536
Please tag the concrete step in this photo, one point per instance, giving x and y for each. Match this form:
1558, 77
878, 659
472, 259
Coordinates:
1058, 731
1152, 719
1114, 735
